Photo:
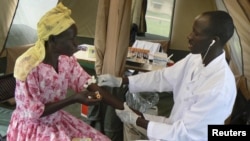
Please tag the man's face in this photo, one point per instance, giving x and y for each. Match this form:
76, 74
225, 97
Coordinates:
199, 38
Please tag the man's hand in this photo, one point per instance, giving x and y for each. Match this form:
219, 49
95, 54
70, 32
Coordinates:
109, 80
127, 115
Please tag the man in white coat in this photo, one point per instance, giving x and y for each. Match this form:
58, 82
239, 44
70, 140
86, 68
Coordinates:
202, 83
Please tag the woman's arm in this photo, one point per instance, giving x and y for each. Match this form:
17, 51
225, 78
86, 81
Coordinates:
107, 97
55, 106
82, 97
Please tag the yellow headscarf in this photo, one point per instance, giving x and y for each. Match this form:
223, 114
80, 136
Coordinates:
53, 22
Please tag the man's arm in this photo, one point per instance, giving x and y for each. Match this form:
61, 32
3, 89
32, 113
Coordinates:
142, 122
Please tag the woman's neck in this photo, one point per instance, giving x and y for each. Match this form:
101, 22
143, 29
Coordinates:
51, 59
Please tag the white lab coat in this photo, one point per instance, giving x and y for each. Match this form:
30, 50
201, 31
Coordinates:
202, 96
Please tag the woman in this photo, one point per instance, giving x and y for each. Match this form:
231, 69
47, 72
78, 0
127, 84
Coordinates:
43, 75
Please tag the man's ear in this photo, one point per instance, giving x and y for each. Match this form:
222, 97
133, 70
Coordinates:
217, 39
212, 43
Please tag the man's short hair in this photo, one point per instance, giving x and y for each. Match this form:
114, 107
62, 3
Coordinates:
221, 25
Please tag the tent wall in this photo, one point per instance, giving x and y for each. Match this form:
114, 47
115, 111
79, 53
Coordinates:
7, 11
184, 14
84, 13
240, 12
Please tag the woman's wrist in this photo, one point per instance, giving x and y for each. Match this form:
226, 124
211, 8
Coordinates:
90, 81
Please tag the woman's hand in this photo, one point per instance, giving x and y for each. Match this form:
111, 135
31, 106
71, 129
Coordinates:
88, 98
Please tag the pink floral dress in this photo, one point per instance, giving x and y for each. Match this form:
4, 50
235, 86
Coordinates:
44, 85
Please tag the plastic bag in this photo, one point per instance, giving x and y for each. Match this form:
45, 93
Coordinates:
142, 101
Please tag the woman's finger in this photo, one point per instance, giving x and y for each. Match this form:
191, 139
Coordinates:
95, 95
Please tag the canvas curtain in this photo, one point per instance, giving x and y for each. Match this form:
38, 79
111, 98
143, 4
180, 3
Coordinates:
138, 13
239, 44
7, 11
112, 36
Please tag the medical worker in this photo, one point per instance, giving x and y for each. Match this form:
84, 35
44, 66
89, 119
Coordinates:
202, 83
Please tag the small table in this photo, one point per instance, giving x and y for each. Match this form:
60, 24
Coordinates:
83, 56
145, 67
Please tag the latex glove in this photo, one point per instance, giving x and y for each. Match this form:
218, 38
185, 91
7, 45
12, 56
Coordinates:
127, 115
109, 80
